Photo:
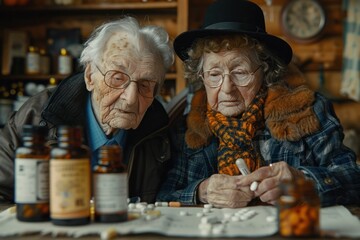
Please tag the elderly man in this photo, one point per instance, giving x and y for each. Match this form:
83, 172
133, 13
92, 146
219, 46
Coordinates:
113, 99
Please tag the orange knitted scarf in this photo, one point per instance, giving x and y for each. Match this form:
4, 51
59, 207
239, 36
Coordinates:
235, 135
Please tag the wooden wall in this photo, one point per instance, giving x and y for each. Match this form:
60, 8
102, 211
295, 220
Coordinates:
321, 61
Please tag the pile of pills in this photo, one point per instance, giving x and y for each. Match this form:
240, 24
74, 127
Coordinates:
210, 224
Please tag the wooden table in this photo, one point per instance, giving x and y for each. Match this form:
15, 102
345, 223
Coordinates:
353, 209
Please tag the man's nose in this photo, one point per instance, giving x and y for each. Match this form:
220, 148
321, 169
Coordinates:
131, 92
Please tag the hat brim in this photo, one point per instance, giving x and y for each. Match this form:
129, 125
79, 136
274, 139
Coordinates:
277, 46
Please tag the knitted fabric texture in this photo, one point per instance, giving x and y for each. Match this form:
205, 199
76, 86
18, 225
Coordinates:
235, 135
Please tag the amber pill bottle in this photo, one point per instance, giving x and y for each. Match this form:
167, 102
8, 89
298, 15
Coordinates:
299, 209
110, 186
70, 179
32, 175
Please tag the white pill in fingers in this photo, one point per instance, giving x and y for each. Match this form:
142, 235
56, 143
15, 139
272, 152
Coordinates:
254, 186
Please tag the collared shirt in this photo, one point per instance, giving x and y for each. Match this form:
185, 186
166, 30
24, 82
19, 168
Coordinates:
321, 155
96, 135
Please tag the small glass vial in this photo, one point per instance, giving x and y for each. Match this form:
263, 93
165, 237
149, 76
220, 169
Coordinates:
32, 61
32, 175
299, 209
70, 174
110, 185
65, 63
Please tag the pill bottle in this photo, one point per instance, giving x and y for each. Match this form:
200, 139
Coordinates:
32, 62
65, 63
70, 179
32, 175
299, 209
110, 186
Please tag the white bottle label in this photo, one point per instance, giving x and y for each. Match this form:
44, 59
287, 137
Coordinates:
110, 192
69, 188
65, 65
32, 63
31, 180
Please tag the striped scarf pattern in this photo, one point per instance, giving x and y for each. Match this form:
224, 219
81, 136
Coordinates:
235, 135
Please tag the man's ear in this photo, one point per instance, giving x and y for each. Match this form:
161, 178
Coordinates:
90, 83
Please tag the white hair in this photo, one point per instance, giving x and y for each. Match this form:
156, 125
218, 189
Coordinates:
155, 38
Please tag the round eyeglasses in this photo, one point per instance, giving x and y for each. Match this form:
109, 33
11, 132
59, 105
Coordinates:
120, 80
215, 78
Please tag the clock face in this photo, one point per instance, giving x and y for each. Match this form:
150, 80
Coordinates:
303, 20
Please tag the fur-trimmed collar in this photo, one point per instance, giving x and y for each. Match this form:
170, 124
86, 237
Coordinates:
288, 113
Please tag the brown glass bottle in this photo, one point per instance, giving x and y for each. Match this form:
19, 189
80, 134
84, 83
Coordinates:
299, 209
110, 185
70, 174
32, 175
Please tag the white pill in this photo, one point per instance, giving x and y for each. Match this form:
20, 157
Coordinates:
271, 218
131, 206
151, 206
227, 215
254, 186
140, 205
205, 226
183, 213
161, 204
206, 210
208, 206
218, 229
235, 218
200, 214
244, 217
242, 211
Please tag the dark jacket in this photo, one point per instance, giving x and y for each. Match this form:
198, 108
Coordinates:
147, 147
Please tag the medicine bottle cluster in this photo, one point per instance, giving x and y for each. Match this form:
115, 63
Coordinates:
299, 209
39, 62
55, 183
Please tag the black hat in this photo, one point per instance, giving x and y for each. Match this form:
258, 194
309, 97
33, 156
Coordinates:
233, 17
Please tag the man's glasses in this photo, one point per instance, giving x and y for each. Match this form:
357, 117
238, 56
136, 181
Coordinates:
120, 80
215, 78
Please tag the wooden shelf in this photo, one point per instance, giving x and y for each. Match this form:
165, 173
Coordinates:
36, 19
169, 76
91, 7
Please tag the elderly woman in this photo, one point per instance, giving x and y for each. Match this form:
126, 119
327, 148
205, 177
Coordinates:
113, 99
250, 105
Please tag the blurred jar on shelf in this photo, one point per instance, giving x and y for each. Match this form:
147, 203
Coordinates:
32, 63
65, 62
15, 2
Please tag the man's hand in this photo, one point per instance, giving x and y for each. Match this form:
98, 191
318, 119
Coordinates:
270, 178
222, 190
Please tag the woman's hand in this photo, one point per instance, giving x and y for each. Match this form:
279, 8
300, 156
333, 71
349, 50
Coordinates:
270, 178
222, 190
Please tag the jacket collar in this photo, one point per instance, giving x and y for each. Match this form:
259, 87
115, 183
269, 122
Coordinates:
67, 103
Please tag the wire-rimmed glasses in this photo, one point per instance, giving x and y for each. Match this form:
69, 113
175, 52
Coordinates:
120, 80
215, 78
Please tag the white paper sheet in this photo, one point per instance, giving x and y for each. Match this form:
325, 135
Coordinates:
335, 221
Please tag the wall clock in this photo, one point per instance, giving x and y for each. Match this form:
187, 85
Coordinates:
303, 20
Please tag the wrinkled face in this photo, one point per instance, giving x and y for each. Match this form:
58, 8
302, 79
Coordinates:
230, 99
122, 108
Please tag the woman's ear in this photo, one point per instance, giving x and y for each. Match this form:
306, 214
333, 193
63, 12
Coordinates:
90, 83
